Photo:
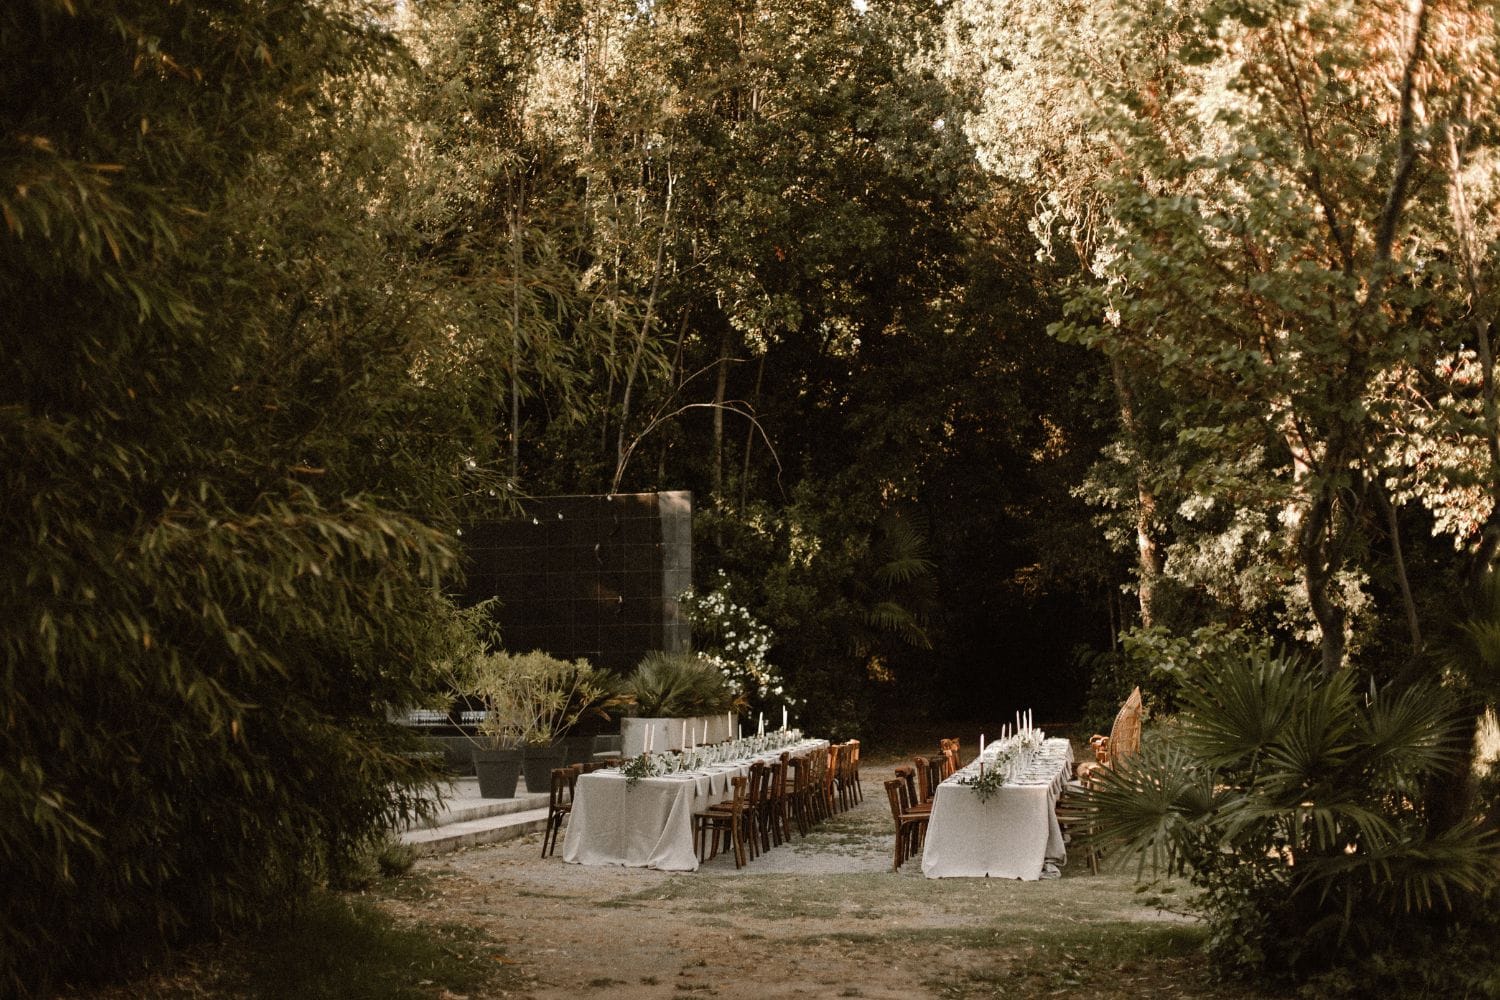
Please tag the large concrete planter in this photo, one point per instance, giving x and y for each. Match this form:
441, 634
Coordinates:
498, 771
675, 733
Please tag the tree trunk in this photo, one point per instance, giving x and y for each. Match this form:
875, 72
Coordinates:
760, 374
721, 390
1316, 548
1149, 558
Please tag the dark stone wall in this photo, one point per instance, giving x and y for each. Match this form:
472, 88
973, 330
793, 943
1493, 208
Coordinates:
596, 577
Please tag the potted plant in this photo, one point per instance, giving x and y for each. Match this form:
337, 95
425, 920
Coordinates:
531, 700
677, 695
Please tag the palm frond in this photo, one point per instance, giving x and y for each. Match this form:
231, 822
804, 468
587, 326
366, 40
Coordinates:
1409, 733
1319, 739
1235, 713
1417, 871
1150, 807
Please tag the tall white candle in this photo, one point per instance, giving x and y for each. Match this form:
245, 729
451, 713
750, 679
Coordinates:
783, 718
684, 734
760, 726
981, 744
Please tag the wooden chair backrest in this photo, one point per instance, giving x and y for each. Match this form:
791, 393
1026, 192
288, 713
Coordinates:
908, 777
895, 790
564, 781
925, 788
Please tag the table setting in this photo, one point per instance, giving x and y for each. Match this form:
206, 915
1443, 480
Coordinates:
996, 816
640, 814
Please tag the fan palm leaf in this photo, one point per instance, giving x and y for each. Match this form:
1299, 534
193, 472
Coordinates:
1152, 808
1234, 714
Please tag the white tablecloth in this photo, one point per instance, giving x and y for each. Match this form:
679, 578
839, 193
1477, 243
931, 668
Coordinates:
650, 824
1011, 834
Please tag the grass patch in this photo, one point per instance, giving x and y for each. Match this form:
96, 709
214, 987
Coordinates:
1103, 960
338, 948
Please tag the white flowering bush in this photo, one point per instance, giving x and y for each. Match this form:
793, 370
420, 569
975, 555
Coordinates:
732, 639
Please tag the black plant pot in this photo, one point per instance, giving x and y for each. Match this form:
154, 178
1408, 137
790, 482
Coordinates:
498, 771
537, 764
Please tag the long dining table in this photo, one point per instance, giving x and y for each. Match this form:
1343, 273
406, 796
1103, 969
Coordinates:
1010, 833
648, 822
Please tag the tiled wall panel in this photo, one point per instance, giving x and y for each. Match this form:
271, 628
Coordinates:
590, 576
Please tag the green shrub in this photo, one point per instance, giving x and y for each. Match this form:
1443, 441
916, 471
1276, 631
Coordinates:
231, 433
1295, 801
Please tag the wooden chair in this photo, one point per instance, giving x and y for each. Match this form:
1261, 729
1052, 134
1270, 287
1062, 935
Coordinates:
911, 827
724, 821
799, 792
817, 796
929, 776
951, 762
757, 803
854, 781
838, 773
779, 807
830, 765
908, 777
1076, 820
559, 805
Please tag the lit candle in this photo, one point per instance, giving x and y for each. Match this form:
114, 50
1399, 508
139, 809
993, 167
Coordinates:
783, 718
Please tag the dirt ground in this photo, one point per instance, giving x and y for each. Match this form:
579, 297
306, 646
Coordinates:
822, 916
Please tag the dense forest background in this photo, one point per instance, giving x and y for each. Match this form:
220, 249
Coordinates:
750, 252
1015, 353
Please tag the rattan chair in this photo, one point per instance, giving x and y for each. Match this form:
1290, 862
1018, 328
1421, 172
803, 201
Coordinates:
1123, 741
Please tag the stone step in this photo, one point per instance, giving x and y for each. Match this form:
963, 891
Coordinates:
463, 803
467, 819
482, 830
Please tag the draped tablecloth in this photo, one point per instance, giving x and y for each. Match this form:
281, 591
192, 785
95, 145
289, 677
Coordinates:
650, 824
1011, 834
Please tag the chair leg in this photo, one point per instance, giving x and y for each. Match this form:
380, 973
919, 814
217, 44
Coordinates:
737, 830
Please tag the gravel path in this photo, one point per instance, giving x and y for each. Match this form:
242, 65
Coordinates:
822, 916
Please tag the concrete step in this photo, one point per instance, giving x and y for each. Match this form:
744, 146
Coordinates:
469, 833
467, 819
462, 803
